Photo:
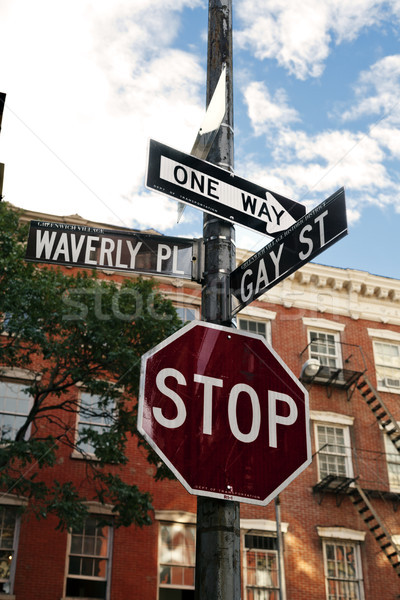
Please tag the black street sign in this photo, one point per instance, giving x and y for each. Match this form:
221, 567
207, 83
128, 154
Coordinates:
299, 244
97, 248
217, 191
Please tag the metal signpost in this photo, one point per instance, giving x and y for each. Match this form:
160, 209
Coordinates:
97, 248
219, 192
224, 412
218, 521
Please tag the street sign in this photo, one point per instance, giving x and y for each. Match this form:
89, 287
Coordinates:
217, 191
299, 244
224, 412
98, 248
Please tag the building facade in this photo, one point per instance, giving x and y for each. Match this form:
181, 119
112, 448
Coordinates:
334, 534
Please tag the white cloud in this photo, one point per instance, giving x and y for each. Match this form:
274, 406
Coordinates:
266, 112
299, 35
377, 91
87, 84
304, 162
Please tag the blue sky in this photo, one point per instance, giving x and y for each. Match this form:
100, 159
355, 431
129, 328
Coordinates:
317, 107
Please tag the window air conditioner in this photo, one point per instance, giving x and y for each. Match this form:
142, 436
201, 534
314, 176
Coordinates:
390, 382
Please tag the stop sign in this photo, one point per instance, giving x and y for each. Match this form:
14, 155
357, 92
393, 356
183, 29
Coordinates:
225, 413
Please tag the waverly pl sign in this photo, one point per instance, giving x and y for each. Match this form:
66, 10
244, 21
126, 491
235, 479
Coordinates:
97, 248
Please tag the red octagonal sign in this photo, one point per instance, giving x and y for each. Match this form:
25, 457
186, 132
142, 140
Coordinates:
225, 413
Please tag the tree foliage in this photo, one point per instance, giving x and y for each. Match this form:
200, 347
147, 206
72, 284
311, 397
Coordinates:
67, 331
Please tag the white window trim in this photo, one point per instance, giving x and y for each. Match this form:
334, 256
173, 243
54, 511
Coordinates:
356, 543
261, 526
20, 377
109, 563
183, 522
268, 335
332, 331
331, 417
192, 307
15, 544
175, 516
324, 324
341, 533
258, 313
392, 487
346, 432
76, 453
390, 337
384, 334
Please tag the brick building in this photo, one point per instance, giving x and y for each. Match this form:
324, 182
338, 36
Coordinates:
339, 523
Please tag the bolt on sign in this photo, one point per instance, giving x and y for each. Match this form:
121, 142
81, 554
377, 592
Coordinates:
225, 413
97, 248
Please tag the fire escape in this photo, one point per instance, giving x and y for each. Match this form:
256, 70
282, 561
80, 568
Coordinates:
351, 377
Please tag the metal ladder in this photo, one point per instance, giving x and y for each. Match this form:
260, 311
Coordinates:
376, 526
381, 412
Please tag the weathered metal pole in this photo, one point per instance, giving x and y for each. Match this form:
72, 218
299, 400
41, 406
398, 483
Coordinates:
218, 521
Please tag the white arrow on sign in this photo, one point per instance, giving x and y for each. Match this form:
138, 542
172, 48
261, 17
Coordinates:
267, 209
219, 192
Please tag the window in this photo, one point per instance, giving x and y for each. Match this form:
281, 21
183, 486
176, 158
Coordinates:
8, 541
14, 408
325, 347
387, 363
261, 564
259, 327
91, 416
88, 561
393, 464
342, 570
333, 450
177, 555
186, 313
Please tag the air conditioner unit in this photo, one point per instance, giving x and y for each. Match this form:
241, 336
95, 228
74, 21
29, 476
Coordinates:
390, 382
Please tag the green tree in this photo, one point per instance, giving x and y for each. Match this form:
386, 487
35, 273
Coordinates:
70, 330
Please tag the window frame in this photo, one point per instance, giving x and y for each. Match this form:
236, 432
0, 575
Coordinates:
108, 558
385, 336
357, 564
246, 552
257, 321
180, 526
14, 507
23, 378
184, 307
317, 355
87, 424
345, 426
382, 382
391, 451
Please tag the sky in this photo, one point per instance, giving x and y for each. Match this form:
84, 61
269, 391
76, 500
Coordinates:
316, 107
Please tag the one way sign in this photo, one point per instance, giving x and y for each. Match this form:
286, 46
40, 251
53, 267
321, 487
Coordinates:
299, 244
216, 191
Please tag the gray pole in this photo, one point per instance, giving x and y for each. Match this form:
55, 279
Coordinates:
218, 521
281, 562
